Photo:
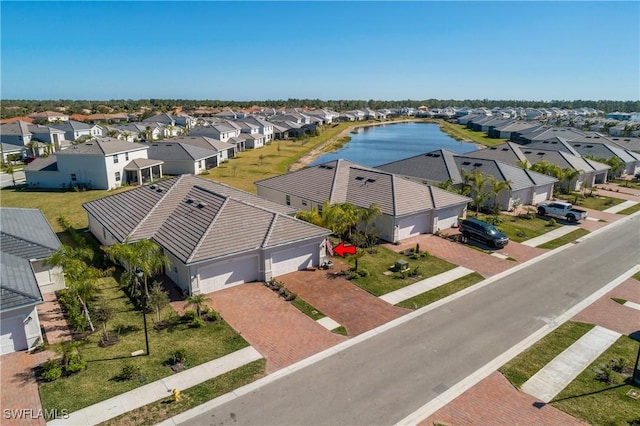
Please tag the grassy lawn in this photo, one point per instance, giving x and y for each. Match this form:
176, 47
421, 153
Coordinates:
55, 203
600, 403
636, 276
565, 239
519, 229
630, 210
160, 410
441, 292
623, 183
100, 380
594, 202
307, 309
460, 132
377, 283
528, 363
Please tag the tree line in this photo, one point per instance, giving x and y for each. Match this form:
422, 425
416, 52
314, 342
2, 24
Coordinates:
21, 107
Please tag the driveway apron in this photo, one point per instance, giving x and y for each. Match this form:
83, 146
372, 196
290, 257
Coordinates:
354, 308
279, 331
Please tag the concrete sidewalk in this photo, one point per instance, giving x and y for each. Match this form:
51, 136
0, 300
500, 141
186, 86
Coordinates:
549, 236
158, 390
620, 207
425, 285
563, 369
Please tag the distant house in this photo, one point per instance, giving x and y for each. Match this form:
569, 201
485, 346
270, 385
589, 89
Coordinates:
101, 163
12, 151
49, 116
408, 208
439, 166
74, 130
215, 236
26, 240
39, 140
190, 154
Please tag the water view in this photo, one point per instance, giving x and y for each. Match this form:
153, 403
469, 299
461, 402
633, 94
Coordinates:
377, 145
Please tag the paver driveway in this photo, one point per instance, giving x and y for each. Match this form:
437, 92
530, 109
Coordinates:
354, 308
279, 331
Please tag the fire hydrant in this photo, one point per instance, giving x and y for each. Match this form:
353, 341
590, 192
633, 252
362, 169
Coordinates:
176, 395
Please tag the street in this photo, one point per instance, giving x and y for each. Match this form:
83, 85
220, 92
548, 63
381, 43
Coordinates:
385, 378
6, 180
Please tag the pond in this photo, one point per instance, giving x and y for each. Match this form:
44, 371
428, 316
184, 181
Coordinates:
376, 145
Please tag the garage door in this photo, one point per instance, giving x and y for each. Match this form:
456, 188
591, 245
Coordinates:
222, 275
13, 337
449, 217
413, 225
294, 259
541, 195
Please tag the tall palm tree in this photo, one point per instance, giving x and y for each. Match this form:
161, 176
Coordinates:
497, 186
476, 181
567, 178
367, 217
80, 277
197, 300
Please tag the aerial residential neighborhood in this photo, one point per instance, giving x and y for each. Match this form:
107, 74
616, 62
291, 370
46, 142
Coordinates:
320, 213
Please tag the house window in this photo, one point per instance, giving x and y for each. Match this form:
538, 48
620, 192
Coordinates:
117, 176
288, 200
126, 156
73, 177
115, 159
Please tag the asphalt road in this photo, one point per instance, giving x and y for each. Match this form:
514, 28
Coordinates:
385, 378
7, 181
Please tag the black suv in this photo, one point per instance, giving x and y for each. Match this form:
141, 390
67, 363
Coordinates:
483, 231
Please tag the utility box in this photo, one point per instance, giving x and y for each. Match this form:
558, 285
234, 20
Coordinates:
401, 265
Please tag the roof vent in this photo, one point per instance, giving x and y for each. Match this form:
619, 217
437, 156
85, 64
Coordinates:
189, 201
527, 152
359, 178
493, 148
540, 153
576, 145
159, 190
152, 187
589, 146
477, 164
201, 205
505, 149
370, 180
466, 163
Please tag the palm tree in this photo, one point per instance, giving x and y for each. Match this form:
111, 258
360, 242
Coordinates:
367, 217
523, 164
567, 178
476, 181
197, 300
11, 169
497, 186
80, 277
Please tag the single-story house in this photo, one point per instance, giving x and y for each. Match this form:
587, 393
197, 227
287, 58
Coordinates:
408, 208
440, 166
215, 236
26, 240
182, 158
102, 163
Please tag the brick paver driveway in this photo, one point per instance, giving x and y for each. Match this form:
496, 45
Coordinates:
459, 254
20, 389
354, 308
279, 331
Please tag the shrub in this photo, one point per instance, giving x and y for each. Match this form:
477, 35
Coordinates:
178, 356
363, 272
73, 310
618, 364
129, 372
212, 315
290, 296
552, 222
197, 322
76, 363
51, 370
189, 315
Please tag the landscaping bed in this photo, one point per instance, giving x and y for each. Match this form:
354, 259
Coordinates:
104, 375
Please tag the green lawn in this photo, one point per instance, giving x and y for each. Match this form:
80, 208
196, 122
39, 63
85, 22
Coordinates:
441, 292
630, 210
377, 283
594, 202
461, 133
565, 239
161, 410
599, 403
519, 229
99, 381
528, 363
623, 183
55, 203
307, 309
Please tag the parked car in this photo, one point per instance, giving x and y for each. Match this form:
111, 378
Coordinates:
483, 231
563, 211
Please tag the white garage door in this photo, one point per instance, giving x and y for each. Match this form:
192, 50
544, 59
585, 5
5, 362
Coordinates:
294, 259
229, 273
13, 337
413, 225
448, 217
541, 195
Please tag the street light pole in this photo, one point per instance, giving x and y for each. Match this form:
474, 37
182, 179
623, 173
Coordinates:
636, 369
139, 276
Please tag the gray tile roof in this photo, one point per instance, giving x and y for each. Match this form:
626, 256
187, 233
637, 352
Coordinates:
102, 146
170, 150
8, 148
602, 150
43, 164
197, 219
342, 181
25, 235
434, 166
71, 125
15, 128
202, 142
557, 144
520, 178
142, 163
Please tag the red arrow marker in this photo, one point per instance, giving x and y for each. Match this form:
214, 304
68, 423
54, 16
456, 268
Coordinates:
341, 250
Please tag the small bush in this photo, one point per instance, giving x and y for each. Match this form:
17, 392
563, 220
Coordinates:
51, 370
129, 372
178, 356
189, 315
363, 272
197, 322
76, 363
618, 364
552, 222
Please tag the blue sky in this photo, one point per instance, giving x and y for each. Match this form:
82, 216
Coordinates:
327, 50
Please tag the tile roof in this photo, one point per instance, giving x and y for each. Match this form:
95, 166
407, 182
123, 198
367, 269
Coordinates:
519, 178
434, 166
102, 146
197, 219
25, 235
176, 151
142, 163
342, 181
15, 128
43, 164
